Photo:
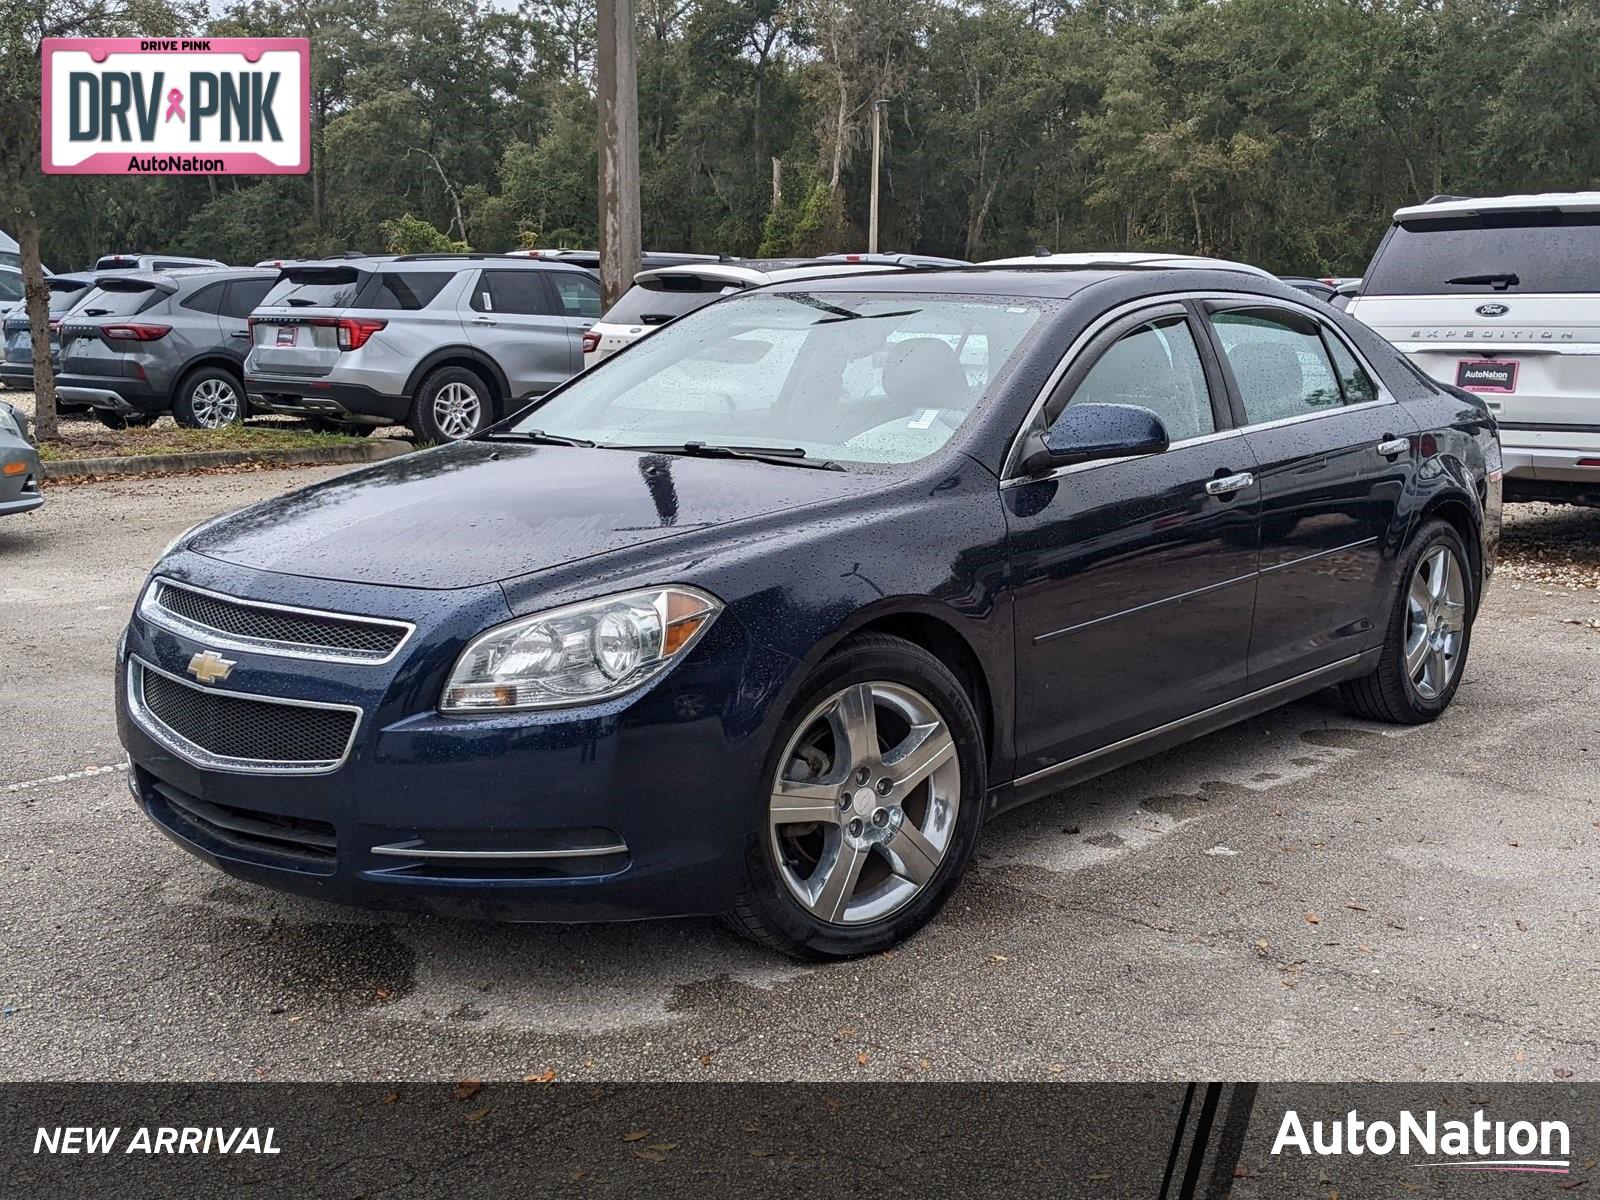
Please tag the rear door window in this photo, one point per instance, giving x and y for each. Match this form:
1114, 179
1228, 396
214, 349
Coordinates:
1353, 378
207, 300
1279, 363
512, 293
1488, 254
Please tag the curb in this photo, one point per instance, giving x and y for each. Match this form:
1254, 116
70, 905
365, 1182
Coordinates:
178, 464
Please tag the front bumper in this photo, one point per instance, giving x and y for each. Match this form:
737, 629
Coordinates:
19, 493
638, 807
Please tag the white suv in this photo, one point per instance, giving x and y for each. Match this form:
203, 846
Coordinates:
661, 295
1501, 297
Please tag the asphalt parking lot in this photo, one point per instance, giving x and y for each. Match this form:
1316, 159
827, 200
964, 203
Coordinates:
1303, 896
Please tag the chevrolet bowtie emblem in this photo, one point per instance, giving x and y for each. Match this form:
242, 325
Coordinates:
211, 667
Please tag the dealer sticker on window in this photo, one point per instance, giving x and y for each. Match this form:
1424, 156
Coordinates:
1487, 375
177, 106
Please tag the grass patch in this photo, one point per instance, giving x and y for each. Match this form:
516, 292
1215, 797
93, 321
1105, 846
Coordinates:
78, 440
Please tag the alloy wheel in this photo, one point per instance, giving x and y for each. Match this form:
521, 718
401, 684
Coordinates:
864, 807
1436, 618
457, 410
214, 403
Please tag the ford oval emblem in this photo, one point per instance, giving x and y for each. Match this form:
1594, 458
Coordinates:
1492, 310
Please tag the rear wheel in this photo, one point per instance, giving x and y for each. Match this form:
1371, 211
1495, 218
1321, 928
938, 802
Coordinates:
872, 807
453, 403
1430, 631
209, 398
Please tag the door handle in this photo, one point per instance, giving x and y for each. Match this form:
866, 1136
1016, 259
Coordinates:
241, 334
1229, 484
1390, 447
484, 321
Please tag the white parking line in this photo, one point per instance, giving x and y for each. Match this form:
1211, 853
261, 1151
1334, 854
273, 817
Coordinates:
86, 773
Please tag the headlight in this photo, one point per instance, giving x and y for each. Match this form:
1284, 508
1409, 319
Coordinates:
578, 654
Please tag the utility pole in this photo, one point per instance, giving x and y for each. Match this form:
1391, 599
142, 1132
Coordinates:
619, 149
877, 158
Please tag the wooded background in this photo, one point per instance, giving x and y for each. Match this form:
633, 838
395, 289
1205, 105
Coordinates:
1281, 132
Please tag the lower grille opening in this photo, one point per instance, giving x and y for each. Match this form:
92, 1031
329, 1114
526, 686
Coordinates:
310, 843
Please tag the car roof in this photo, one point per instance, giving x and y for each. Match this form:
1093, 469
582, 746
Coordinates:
1126, 258
1441, 206
435, 262
1137, 279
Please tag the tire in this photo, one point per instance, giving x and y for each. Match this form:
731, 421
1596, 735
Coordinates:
918, 835
452, 403
116, 420
1436, 626
209, 398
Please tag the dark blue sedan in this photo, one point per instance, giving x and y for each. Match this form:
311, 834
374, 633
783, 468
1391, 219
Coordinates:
765, 615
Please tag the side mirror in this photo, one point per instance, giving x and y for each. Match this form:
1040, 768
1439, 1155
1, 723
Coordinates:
1090, 432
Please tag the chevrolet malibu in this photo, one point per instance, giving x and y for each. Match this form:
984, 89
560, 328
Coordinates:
767, 614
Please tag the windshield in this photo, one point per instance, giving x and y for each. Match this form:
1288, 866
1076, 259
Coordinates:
63, 296
10, 286
844, 376
1489, 253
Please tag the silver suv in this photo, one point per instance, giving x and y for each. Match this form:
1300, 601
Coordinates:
446, 344
143, 343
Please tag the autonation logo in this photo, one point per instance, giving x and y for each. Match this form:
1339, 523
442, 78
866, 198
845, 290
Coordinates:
1478, 1144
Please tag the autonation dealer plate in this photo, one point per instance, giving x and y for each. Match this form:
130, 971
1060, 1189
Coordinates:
1487, 375
175, 106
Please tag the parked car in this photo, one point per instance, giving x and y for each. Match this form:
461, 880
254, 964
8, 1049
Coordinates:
659, 296
1124, 258
443, 343
12, 291
16, 363
151, 262
766, 615
20, 472
144, 343
10, 252
1501, 296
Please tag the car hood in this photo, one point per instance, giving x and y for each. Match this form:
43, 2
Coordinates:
482, 512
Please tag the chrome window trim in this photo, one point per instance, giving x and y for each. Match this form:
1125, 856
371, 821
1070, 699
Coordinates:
1073, 468
153, 612
1009, 473
200, 756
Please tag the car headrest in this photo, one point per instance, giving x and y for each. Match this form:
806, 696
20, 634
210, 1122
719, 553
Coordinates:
923, 372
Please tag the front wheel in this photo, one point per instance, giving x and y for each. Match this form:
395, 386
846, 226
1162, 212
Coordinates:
1430, 631
872, 806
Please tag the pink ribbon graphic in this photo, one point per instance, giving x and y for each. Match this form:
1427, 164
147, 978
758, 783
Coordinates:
175, 105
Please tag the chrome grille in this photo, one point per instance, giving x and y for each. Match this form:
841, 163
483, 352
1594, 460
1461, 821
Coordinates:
274, 628
231, 731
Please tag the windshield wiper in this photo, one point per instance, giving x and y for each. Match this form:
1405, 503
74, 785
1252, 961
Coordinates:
1504, 278
535, 435
836, 313
784, 456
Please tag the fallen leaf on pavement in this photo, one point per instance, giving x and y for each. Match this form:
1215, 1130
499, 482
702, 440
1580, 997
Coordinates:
468, 1088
